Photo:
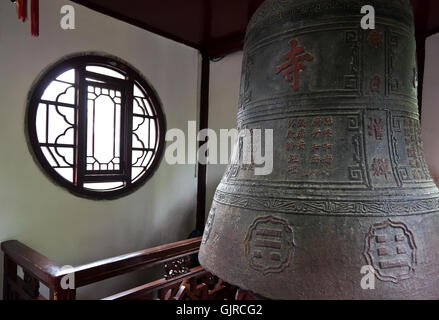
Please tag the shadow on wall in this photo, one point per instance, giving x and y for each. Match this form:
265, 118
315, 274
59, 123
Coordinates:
183, 220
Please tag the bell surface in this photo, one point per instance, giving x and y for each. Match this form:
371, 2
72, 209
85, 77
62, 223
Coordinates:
350, 194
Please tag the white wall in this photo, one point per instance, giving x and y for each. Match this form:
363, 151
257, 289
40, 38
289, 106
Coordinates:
430, 106
225, 77
33, 210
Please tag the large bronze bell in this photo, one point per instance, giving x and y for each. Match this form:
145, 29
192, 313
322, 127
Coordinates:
350, 187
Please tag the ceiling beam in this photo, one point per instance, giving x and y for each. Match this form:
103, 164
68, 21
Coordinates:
216, 48
117, 15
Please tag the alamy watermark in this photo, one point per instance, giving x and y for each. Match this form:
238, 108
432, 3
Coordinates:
368, 280
68, 278
68, 21
251, 147
368, 21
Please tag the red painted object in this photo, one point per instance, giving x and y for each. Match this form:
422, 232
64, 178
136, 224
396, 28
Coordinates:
22, 13
35, 17
22, 9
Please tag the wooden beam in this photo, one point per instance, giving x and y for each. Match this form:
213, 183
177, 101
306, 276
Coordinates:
104, 10
204, 122
9, 274
221, 47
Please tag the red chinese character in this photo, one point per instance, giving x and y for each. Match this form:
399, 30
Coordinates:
292, 123
293, 158
301, 123
316, 147
328, 159
380, 167
329, 121
376, 126
290, 146
301, 133
293, 66
316, 122
327, 132
292, 169
301, 145
315, 158
316, 133
375, 39
290, 134
327, 147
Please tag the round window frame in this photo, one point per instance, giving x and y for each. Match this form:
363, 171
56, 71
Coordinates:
50, 74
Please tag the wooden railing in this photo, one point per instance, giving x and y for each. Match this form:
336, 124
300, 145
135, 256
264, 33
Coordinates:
182, 279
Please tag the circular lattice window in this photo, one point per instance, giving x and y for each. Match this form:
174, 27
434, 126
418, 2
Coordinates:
95, 126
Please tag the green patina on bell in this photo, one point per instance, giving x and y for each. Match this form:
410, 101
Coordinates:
350, 187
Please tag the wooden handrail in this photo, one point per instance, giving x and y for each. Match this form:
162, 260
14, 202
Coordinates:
38, 267
109, 268
181, 281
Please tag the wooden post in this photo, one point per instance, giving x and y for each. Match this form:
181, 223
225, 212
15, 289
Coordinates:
204, 120
9, 274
